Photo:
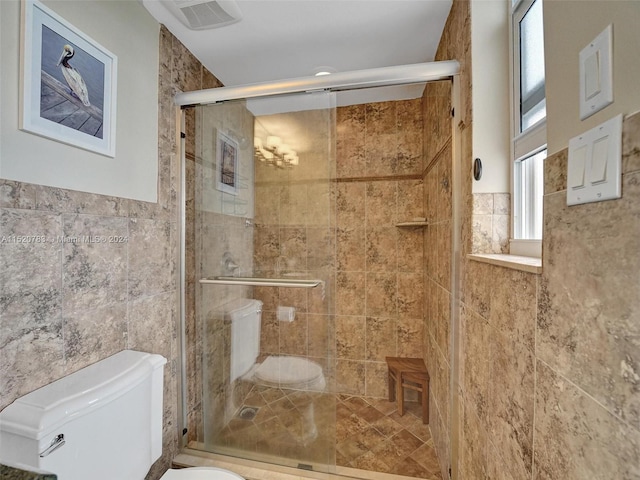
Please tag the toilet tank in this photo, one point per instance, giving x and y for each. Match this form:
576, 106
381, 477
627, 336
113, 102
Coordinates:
105, 420
245, 315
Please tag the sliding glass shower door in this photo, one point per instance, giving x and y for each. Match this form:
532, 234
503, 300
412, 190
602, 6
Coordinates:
259, 223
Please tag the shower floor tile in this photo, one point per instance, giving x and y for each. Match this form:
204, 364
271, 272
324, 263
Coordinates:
368, 433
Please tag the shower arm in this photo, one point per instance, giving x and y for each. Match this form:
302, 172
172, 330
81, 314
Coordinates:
374, 77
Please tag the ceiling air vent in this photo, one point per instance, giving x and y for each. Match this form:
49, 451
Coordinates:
204, 14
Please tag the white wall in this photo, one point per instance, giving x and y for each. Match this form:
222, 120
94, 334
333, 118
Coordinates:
127, 30
569, 26
490, 77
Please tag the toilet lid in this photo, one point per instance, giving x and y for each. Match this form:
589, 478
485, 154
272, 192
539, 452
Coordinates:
282, 370
200, 473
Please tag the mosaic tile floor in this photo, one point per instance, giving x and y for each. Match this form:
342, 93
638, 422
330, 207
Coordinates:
368, 433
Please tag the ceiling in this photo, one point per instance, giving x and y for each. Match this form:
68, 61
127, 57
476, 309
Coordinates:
280, 39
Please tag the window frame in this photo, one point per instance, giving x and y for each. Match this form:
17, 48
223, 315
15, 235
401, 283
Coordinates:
523, 144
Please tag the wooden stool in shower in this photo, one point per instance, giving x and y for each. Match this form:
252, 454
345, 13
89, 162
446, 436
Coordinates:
408, 373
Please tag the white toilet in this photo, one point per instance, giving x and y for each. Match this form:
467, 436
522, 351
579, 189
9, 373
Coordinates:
289, 372
103, 422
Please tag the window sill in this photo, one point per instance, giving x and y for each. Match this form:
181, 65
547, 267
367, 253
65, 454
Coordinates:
515, 262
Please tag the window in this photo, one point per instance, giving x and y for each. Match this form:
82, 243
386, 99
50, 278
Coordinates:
529, 126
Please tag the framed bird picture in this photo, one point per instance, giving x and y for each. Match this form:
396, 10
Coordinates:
68, 82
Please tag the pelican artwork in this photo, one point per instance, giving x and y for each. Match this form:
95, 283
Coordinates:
72, 76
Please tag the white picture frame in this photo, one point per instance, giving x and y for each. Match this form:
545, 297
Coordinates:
55, 104
226, 164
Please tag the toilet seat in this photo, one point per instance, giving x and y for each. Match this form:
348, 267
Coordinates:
290, 372
200, 473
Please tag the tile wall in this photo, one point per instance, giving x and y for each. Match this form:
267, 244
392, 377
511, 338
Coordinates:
379, 282
548, 378
454, 44
295, 238
68, 304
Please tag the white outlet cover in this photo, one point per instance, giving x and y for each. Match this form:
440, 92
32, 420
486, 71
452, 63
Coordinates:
596, 74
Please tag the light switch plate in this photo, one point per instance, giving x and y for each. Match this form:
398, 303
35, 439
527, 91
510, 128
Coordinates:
595, 164
596, 74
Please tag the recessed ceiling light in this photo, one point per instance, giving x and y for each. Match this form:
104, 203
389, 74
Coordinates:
323, 71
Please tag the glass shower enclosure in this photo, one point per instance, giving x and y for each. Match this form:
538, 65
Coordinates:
258, 279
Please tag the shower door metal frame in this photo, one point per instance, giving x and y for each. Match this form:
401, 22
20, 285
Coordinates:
343, 81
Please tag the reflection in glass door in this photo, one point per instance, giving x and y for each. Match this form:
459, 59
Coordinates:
258, 208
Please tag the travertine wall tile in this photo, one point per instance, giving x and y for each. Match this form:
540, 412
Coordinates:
91, 335
381, 198
382, 249
94, 261
476, 353
103, 281
350, 376
511, 400
378, 266
381, 338
17, 194
575, 437
631, 143
483, 204
350, 338
149, 269
351, 290
474, 445
599, 295
514, 305
555, 172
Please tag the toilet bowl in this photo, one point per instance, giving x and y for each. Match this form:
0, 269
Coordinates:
280, 371
200, 473
293, 373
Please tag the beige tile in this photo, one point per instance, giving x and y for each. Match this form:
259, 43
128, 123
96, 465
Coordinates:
410, 295
90, 336
376, 383
17, 194
95, 263
585, 326
575, 437
511, 403
381, 249
381, 295
409, 337
631, 143
410, 199
293, 336
149, 268
555, 172
351, 249
381, 151
350, 337
381, 338
410, 250
476, 357
514, 304
350, 293
380, 118
474, 444
350, 205
350, 130
350, 376
319, 335
483, 203
381, 198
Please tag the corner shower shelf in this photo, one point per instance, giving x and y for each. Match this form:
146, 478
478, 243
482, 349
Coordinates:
262, 282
